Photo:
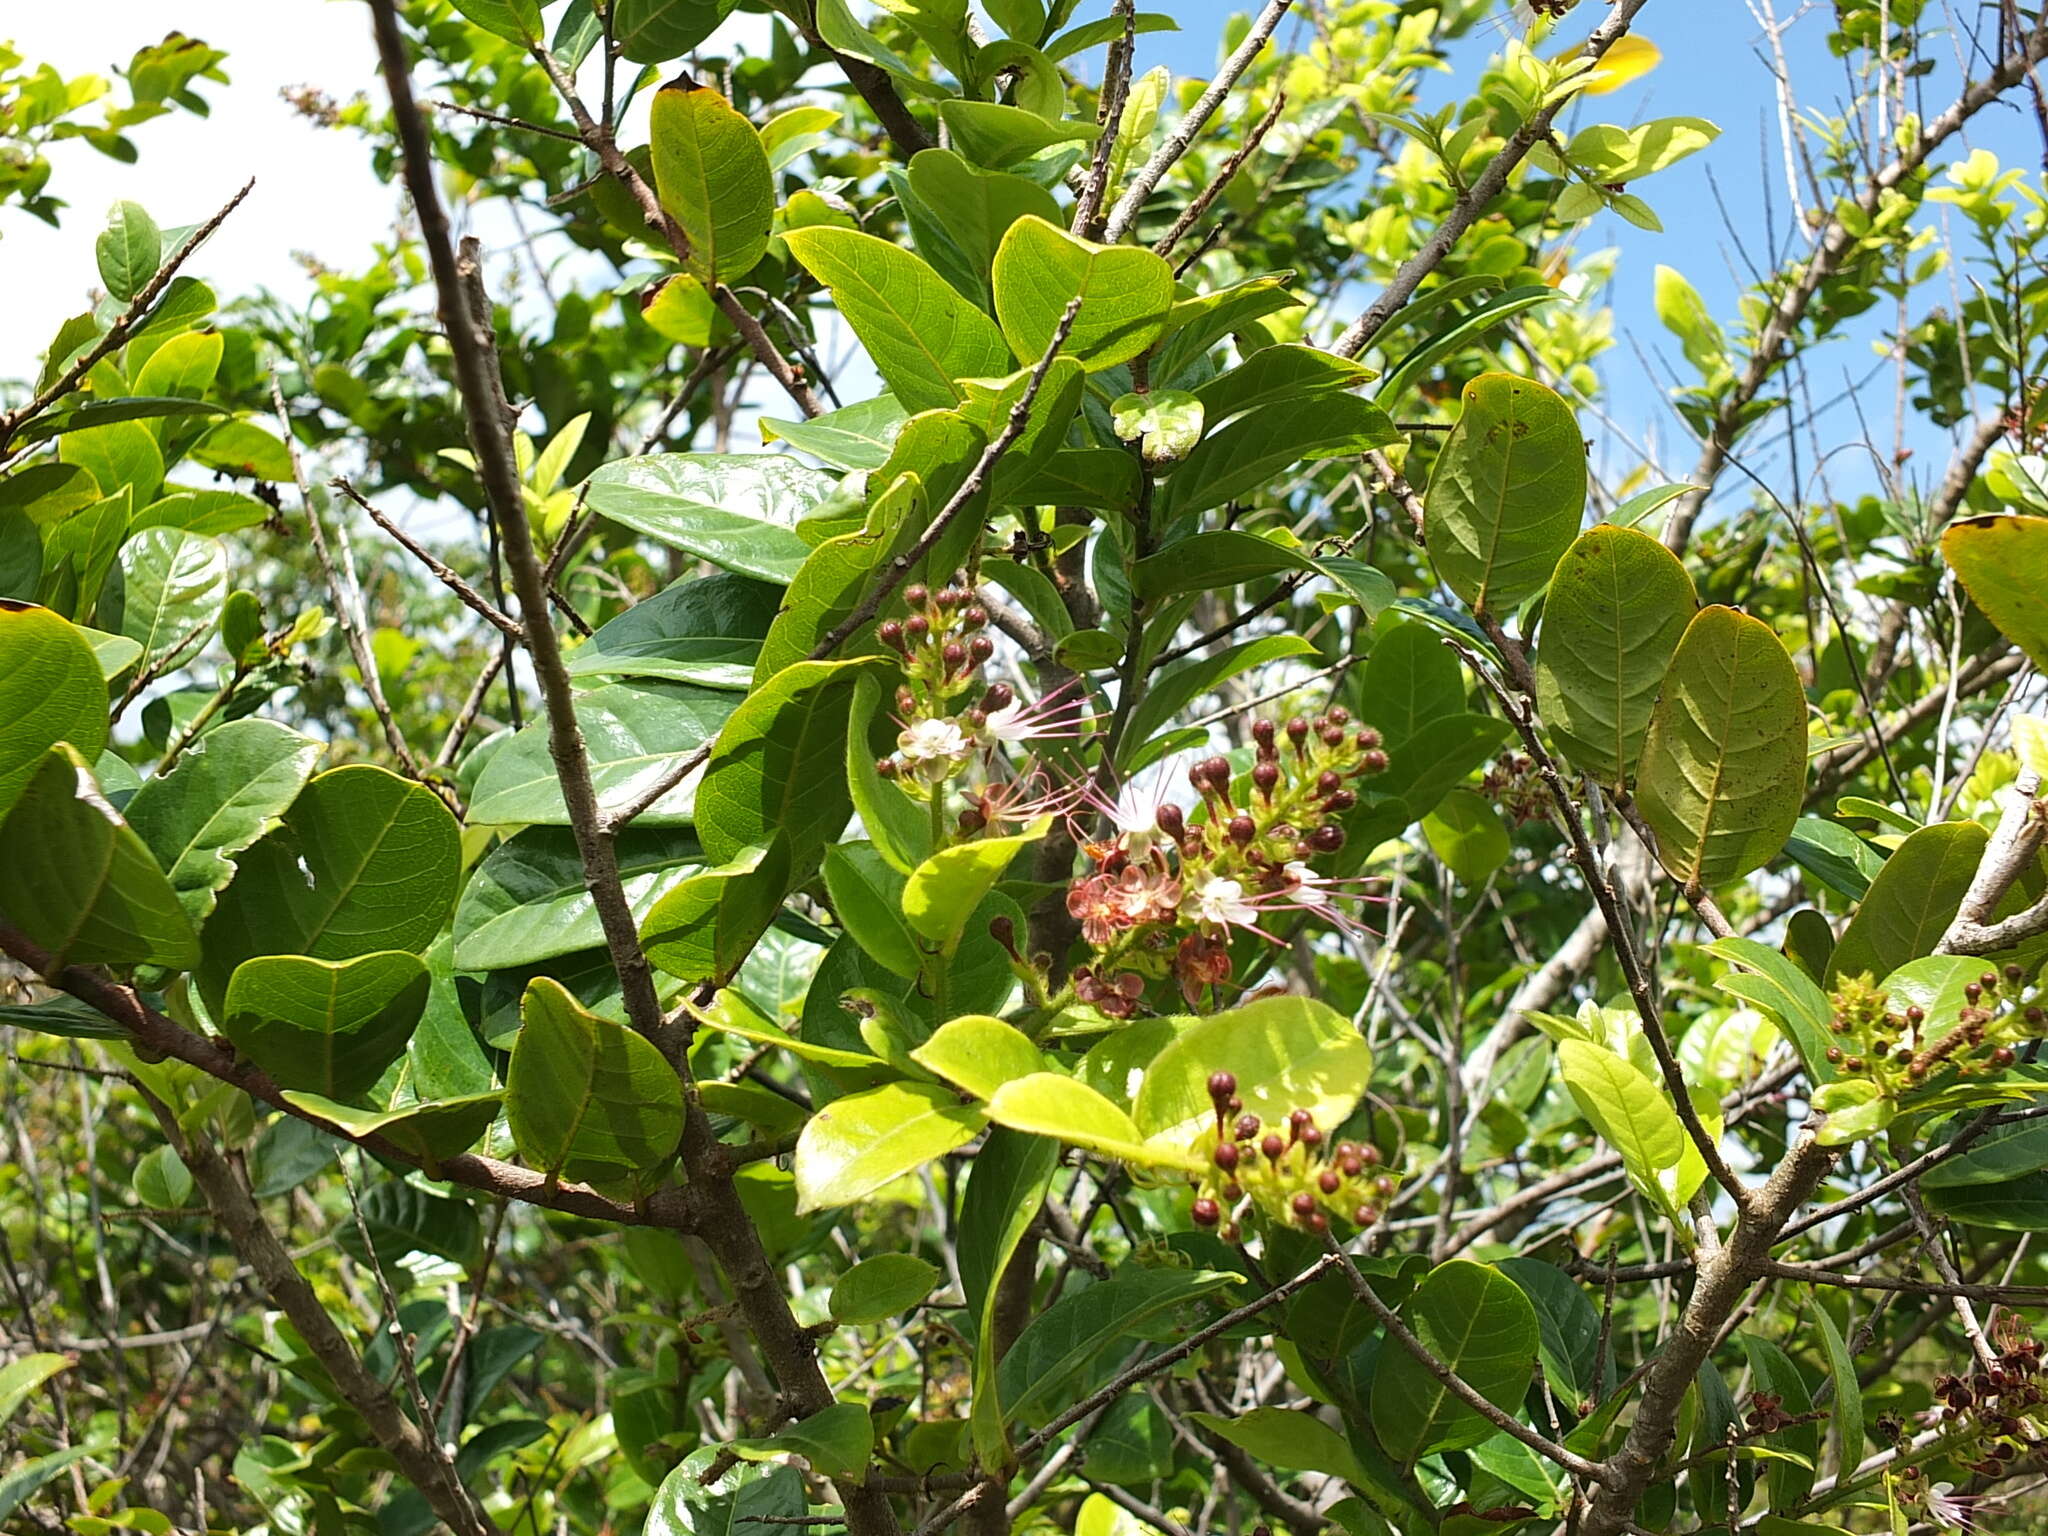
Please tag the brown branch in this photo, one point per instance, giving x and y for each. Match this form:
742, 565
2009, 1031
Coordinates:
448, 576
1116, 87
125, 324
1148, 176
1474, 200
2012, 851
423, 1462
1206, 198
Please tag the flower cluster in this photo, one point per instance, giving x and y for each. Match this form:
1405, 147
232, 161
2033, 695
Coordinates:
1901, 1051
1299, 1178
1514, 784
949, 712
1997, 1409
1169, 888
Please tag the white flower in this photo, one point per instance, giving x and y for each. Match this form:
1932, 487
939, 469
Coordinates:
931, 741
1308, 888
1221, 902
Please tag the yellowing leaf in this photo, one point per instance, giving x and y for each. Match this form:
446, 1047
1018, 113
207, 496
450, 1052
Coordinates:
1629, 59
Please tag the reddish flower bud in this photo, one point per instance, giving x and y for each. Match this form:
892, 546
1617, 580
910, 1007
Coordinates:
917, 626
1366, 738
1328, 1182
1266, 776
885, 767
916, 594
890, 633
1247, 1127
1339, 715
975, 616
1272, 1146
1241, 830
981, 648
1327, 838
1206, 1212
999, 696
1226, 1156
1171, 820
1222, 1085
1262, 732
1343, 800
1374, 761
1304, 1203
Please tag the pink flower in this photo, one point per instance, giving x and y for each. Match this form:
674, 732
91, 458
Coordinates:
1057, 715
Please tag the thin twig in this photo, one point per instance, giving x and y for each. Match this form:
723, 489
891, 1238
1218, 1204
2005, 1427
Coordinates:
448, 576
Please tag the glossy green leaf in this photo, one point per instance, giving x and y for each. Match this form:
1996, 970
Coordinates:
857, 1144
2003, 564
1912, 901
1283, 375
1173, 690
980, 1054
1125, 292
586, 1097
877, 1289
130, 249
943, 892
1568, 1327
704, 928
1214, 562
21, 1378
856, 436
867, 898
835, 1441
965, 211
229, 788
997, 136
402, 1218
2001, 1153
2011, 1205
1846, 1412
51, 690
1723, 771
329, 1027
22, 1483
527, 899
1467, 834
1634, 1116
1243, 458
713, 178
1786, 993
1617, 607
899, 826
78, 881
633, 731
1289, 1439
363, 861
1507, 493
1477, 1321
704, 630
1286, 1053
432, 1129
736, 510
921, 335
656, 31
1076, 1336
1053, 1104
739, 1503
779, 763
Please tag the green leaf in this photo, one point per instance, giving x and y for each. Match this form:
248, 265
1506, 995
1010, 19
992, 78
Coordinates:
1910, 904
705, 630
1568, 1326
1283, 375
1466, 833
854, 437
1053, 1104
997, 136
1243, 458
21, 555
1125, 292
2001, 1153
1507, 493
403, 1218
20, 1378
1633, 1115
527, 900
836, 1441
1290, 1439
867, 898
713, 178
229, 788
1618, 604
517, 21
586, 1097
130, 249
1723, 772
965, 212
2013, 1205
900, 827
943, 892
2002, 563
1855, 1108
1846, 1414
1475, 1320
1173, 691
855, 1145
1213, 562
634, 733
1286, 1053
737, 510
51, 690
921, 335
433, 1130
704, 928
330, 1027
18, 1486
877, 1289
363, 861
1773, 1371
1460, 334
1411, 679
79, 882
1608, 153
740, 1503
656, 31
1836, 857
1784, 992
779, 763
1076, 1336
980, 1053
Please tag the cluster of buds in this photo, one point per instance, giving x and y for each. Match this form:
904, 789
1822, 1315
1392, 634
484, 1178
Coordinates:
1515, 785
1903, 1051
1767, 1415
949, 711
1999, 1402
1300, 1178
1169, 888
